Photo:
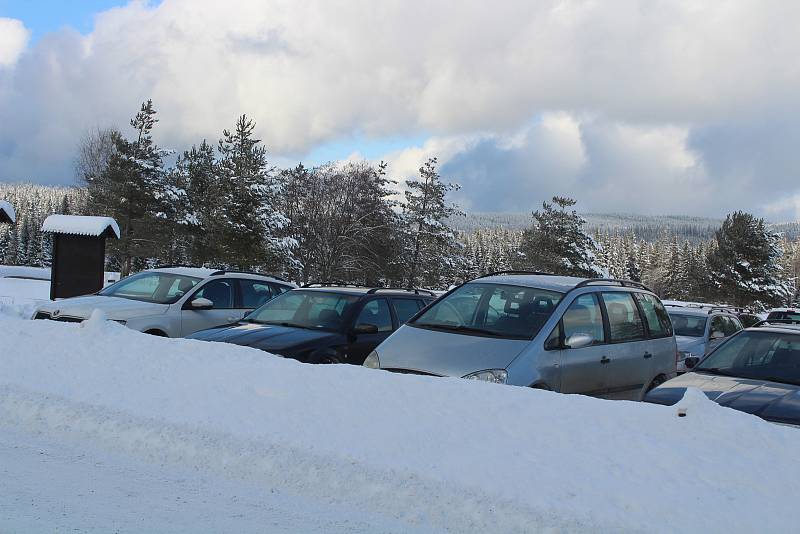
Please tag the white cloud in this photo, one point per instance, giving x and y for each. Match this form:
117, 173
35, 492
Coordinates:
13, 39
581, 93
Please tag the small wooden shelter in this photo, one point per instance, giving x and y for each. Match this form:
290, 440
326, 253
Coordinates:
79, 253
7, 214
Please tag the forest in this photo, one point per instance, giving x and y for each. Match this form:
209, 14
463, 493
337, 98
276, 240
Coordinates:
224, 205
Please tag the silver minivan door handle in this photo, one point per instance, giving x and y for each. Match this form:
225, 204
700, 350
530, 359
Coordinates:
605, 360
647, 355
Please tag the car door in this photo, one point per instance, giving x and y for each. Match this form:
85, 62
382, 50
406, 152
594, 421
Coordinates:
374, 312
582, 370
629, 349
222, 293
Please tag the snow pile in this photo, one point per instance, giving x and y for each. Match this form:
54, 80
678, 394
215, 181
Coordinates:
7, 212
441, 453
80, 225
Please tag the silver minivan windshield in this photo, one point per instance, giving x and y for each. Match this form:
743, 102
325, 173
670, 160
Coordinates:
491, 310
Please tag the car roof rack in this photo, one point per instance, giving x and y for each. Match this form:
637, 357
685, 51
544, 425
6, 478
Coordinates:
722, 309
499, 273
176, 265
337, 283
414, 290
672, 305
612, 281
256, 273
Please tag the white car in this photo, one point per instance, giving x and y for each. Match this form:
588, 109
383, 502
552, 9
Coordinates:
172, 301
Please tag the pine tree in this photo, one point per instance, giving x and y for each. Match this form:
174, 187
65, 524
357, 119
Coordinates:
431, 253
745, 265
250, 226
556, 242
132, 189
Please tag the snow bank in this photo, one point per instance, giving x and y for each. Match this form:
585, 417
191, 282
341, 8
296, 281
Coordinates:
448, 453
80, 225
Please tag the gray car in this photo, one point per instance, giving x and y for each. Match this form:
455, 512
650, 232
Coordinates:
608, 338
172, 301
699, 329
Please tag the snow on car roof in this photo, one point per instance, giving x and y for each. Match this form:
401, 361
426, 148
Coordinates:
81, 225
199, 272
7, 213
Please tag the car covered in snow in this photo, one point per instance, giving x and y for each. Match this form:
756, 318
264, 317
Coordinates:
172, 301
324, 323
602, 337
755, 371
699, 329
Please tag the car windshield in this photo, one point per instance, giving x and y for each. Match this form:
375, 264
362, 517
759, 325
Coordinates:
688, 325
305, 309
492, 310
784, 316
151, 286
758, 355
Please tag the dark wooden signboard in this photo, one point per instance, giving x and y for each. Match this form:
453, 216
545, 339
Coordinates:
78, 265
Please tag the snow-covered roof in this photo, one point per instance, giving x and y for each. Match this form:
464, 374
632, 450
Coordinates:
81, 225
199, 272
7, 214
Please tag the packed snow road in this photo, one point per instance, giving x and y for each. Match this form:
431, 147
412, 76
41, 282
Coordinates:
149, 422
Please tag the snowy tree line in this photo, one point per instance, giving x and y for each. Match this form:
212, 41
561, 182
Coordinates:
744, 263
224, 205
25, 243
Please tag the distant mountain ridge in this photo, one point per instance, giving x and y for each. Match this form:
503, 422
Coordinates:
647, 227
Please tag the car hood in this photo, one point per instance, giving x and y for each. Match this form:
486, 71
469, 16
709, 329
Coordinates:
446, 353
773, 401
114, 307
694, 345
271, 338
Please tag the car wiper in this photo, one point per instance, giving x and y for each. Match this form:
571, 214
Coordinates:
286, 324
715, 371
782, 380
462, 328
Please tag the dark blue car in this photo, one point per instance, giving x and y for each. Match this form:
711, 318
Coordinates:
756, 371
324, 324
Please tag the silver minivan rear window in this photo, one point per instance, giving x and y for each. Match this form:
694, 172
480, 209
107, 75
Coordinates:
491, 310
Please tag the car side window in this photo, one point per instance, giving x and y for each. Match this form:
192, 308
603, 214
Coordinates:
623, 317
405, 309
255, 293
220, 292
731, 326
376, 312
655, 315
717, 326
584, 317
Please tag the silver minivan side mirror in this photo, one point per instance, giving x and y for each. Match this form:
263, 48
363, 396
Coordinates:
202, 304
578, 341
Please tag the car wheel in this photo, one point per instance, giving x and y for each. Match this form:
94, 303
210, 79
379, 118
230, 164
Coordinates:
657, 381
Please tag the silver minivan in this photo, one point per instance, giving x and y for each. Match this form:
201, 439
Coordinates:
601, 337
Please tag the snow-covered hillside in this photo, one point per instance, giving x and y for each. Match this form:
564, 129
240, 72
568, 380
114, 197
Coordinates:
417, 452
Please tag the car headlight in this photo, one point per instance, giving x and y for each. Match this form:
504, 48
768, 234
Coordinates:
495, 376
372, 361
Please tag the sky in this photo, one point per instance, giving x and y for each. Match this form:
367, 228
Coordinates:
630, 106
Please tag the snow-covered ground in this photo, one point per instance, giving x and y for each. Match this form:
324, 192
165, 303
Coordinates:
103, 428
